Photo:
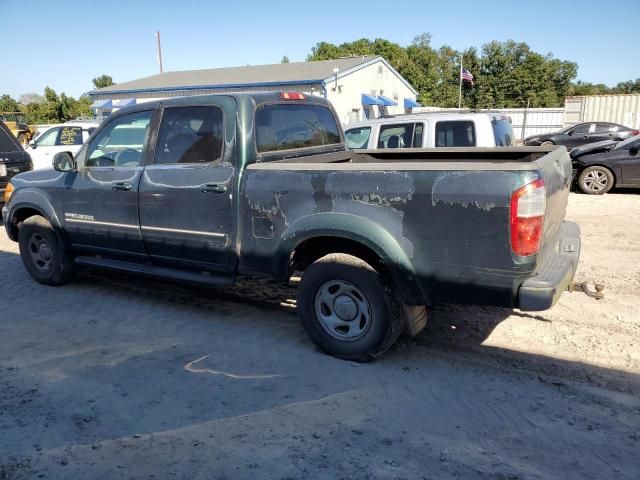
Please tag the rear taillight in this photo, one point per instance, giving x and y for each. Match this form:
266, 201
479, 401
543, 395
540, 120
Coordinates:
291, 96
528, 205
635, 132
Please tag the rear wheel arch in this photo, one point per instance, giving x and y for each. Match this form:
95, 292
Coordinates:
358, 237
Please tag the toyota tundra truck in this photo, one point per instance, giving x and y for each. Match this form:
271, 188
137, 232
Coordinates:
208, 188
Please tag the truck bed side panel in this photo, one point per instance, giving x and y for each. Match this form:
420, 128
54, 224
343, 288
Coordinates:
452, 225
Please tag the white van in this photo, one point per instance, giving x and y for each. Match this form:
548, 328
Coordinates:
67, 137
432, 129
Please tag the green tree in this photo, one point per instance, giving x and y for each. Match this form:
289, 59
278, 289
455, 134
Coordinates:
8, 104
285, 59
506, 74
630, 86
103, 81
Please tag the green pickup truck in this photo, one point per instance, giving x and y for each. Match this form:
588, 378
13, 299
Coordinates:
208, 188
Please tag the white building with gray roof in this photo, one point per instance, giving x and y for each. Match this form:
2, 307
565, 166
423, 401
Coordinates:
358, 87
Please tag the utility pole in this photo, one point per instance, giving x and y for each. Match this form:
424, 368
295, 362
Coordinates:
159, 51
460, 85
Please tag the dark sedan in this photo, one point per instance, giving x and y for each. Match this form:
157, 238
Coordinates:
581, 134
603, 165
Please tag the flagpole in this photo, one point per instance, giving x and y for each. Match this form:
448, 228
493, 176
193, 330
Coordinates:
460, 85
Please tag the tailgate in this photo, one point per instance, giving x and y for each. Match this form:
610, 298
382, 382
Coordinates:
555, 168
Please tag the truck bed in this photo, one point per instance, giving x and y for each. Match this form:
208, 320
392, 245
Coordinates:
447, 208
436, 156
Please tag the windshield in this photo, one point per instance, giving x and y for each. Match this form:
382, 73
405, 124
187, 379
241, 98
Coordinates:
290, 126
624, 144
357, 137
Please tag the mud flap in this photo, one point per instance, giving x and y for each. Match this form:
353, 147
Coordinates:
416, 317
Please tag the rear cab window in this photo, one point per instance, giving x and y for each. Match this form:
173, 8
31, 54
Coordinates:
292, 126
455, 133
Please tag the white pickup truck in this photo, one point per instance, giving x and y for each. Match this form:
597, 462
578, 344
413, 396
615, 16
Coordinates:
432, 129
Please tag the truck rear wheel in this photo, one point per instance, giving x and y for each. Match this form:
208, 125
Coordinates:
42, 253
348, 309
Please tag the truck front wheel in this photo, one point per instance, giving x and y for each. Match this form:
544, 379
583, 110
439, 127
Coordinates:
348, 309
42, 253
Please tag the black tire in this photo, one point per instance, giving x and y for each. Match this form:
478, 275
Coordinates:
383, 317
596, 180
42, 253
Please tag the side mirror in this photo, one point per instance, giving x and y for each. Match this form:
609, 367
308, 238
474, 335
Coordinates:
570, 132
633, 151
63, 162
33, 144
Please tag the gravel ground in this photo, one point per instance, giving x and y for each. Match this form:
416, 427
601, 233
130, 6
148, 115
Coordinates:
119, 377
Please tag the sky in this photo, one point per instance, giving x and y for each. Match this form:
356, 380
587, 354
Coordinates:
65, 45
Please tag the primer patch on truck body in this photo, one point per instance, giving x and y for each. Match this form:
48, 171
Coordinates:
471, 189
377, 195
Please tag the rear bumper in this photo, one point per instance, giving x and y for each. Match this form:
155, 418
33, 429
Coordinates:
554, 275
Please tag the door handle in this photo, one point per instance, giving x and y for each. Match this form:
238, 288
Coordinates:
213, 188
124, 186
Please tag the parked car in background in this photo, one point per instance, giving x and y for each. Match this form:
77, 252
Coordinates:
432, 129
13, 159
582, 134
600, 166
67, 137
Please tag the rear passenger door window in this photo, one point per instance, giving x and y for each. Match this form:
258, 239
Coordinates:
70, 136
455, 133
605, 127
190, 135
403, 135
582, 129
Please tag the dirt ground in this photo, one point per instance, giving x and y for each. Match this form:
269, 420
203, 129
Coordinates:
119, 377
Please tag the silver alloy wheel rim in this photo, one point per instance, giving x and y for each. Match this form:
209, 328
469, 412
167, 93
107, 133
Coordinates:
343, 310
41, 253
596, 181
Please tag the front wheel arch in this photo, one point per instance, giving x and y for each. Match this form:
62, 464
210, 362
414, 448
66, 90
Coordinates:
19, 216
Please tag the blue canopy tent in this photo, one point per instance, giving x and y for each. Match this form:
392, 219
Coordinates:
125, 102
409, 103
101, 105
370, 100
386, 101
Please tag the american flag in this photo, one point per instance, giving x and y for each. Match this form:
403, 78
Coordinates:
466, 75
